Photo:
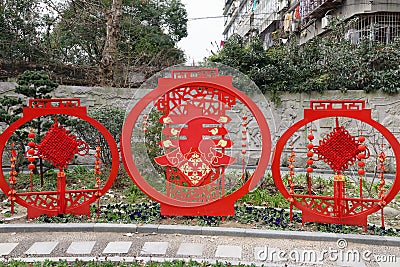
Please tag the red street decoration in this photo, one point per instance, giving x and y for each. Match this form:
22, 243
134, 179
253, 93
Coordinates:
195, 107
195, 158
58, 147
13, 177
339, 150
198, 110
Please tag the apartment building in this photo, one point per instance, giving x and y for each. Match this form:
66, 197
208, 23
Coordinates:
252, 17
374, 19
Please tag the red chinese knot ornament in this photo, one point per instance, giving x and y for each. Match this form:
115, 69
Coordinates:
58, 146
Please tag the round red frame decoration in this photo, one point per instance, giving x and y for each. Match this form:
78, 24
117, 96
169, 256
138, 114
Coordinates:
62, 106
354, 109
223, 206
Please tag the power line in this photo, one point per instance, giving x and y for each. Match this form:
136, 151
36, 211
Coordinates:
211, 17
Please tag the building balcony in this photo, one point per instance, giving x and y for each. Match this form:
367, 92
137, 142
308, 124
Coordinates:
318, 8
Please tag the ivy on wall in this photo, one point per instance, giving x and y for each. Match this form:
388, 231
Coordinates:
329, 63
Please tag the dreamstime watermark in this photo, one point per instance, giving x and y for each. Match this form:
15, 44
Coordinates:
339, 253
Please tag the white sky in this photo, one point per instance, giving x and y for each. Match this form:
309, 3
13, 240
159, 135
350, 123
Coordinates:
202, 32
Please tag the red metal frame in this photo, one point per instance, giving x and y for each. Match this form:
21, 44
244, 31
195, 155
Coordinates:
170, 93
314, 208
62, 200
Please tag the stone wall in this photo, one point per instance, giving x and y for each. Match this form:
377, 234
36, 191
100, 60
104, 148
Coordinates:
90, 96
385, 108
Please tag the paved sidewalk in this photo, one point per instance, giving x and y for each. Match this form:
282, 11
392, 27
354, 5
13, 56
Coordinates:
197, 230
128, 242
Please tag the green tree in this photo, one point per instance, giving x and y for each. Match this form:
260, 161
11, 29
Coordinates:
145, 37
10, 109
30, 84
19, 30
91, 41
78, 35
34, 84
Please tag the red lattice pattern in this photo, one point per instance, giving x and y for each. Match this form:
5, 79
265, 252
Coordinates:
58, 146
177, 189
338, 149
355, 206
327, 206
42, 201
337, 105
211, 101
204, 194
188, 159
76, 198
49, 201
55, 103
174, 176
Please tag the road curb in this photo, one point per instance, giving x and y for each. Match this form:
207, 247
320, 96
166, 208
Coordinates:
199, 230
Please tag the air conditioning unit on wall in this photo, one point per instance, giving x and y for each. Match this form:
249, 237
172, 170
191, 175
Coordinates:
325, 21
282, 5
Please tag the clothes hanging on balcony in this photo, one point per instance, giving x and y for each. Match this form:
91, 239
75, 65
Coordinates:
287, 22
254, 4
304, 6
297, 13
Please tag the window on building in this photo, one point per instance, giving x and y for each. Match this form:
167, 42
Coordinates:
383, 28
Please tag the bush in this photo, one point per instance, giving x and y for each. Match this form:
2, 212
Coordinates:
111, 118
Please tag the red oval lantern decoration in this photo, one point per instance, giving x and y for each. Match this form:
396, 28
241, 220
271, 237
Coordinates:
339, 150
58, 147
197, 110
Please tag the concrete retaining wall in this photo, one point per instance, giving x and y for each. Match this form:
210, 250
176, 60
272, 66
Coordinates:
385, 109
